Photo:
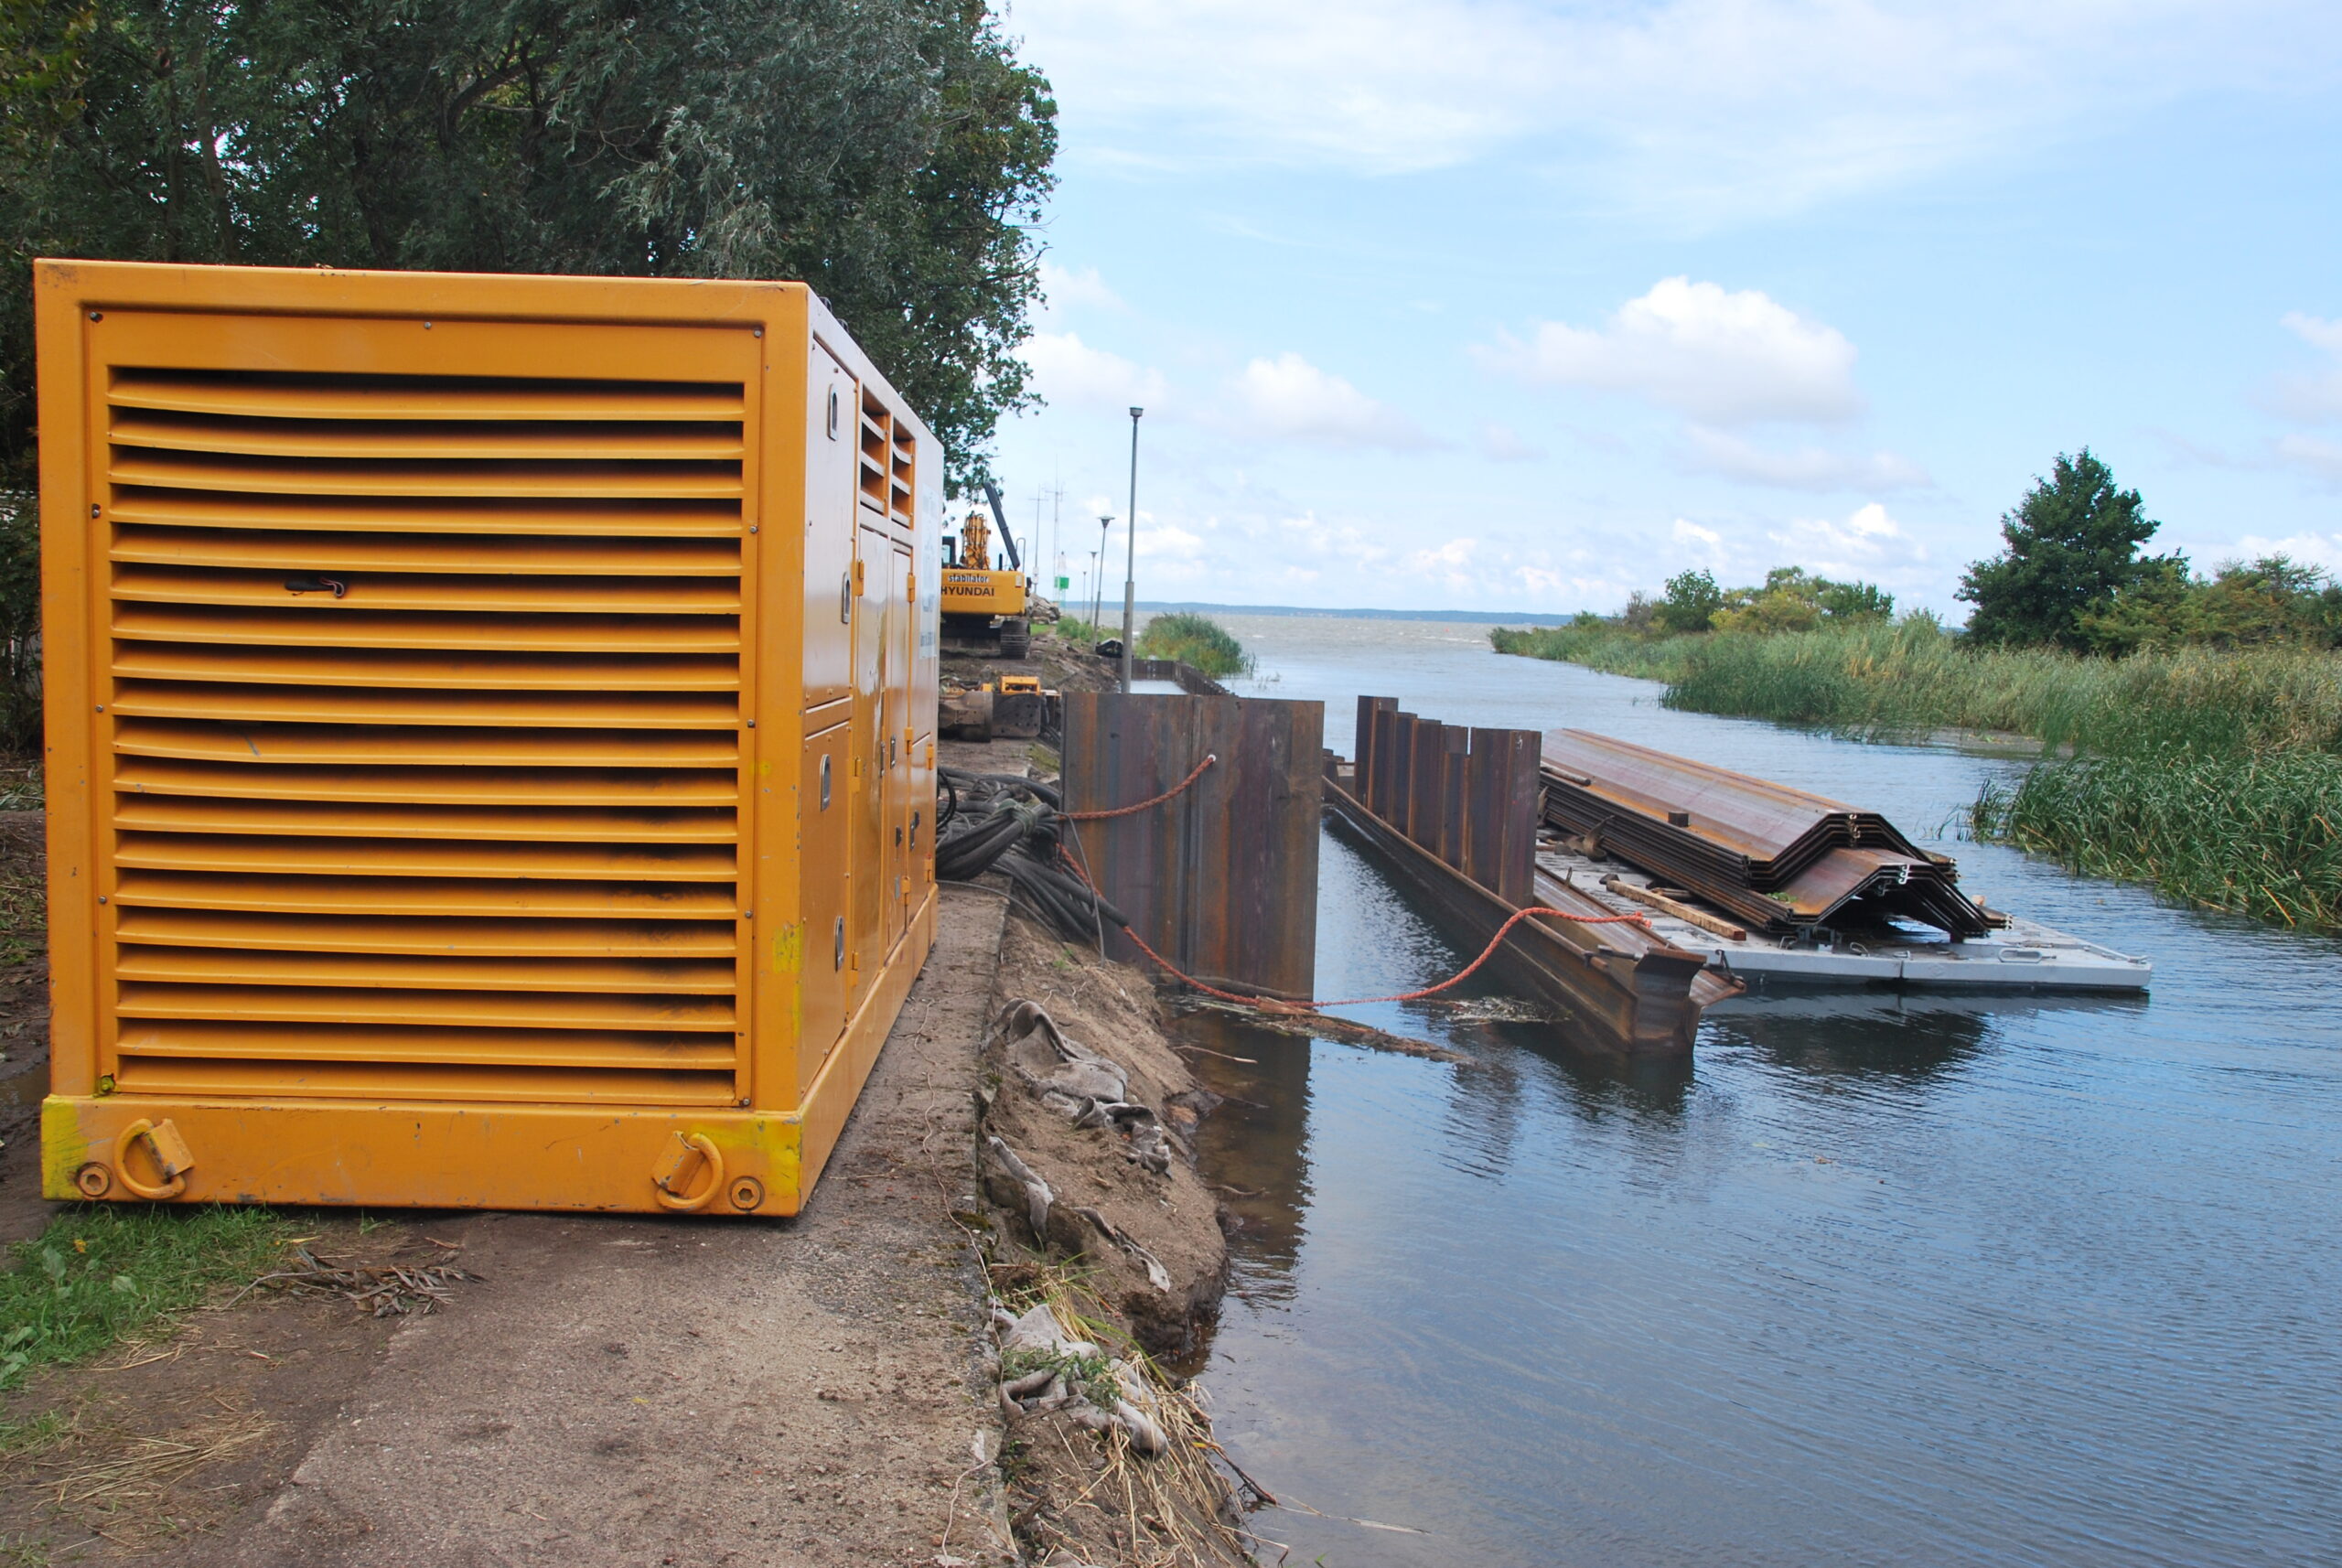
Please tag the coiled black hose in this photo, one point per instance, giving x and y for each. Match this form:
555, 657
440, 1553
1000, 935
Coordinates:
991, 828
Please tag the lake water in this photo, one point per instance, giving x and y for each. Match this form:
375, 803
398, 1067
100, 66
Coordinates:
1876, 1279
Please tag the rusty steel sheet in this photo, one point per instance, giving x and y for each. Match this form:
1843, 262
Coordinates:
1783, 859
1363, 743
1426, 807
1467, 796
1771, 829
1386, 743
1185, 676
1402, 771
1620, 988
1221, 879
1454, 758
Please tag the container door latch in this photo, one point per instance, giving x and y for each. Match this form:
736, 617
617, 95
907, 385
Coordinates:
679, 1162
172, 1157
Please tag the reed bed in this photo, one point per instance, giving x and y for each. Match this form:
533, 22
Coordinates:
2252, 835
2214, 774
1193, 639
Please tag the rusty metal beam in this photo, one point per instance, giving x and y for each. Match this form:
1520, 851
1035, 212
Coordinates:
1426, 804
1453, 759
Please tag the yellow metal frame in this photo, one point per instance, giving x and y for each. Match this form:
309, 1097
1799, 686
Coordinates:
803, 1051
993, 593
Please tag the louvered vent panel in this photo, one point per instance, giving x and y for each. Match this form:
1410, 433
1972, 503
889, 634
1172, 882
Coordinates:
427, 727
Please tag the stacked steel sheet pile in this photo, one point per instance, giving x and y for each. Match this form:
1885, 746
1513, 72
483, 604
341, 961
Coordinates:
1782, 860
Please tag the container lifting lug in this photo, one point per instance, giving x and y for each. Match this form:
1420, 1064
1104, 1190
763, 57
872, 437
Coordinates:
679, 1162
172, 1157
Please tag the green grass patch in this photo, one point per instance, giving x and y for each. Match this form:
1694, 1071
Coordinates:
1084, 635
24, 912
1193, 639
101, 1274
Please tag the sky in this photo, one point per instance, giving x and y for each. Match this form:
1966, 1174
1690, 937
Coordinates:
1472, 305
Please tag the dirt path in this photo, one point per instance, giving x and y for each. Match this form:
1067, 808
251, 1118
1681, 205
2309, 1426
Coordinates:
614, 1390
635, 1390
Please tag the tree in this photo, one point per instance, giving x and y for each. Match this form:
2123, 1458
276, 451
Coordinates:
1692, 598
891, 153
2071, 545
1793, 599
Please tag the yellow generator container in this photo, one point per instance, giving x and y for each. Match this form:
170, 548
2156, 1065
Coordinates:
491, 735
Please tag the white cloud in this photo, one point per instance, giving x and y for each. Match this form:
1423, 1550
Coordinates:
1724, 358
1503, 444
1288, 398
2319, 458
1868, 544
1689, 533
1164, 543
1807, 468
1064, 289
2323, 550
1681, 106
2318, 333
1451, 566
2316, 397
1068, 372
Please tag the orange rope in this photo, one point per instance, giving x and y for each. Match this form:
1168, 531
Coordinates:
1278, 1004
1274, 1005
1143, 805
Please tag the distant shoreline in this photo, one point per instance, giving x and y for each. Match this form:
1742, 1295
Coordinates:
1478, 617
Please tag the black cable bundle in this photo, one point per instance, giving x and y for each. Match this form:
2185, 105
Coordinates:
998, 822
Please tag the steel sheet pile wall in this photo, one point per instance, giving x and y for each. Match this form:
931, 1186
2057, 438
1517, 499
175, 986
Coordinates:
1221, 879
1469, 796
1451, 814
1781, 859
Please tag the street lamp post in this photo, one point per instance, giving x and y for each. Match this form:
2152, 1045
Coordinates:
1130, 560
1098, 581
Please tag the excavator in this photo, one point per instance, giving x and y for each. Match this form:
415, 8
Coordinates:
985, 609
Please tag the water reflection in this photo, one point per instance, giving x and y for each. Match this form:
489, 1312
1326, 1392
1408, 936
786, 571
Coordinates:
1880, 1278
1254, 1146
1909, 1036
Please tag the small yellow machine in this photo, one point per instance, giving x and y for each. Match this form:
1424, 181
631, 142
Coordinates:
984, 607
491, 735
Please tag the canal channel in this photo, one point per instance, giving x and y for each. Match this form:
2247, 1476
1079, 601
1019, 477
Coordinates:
1875, 1279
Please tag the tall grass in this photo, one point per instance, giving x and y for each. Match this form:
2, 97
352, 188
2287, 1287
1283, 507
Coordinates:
1606, 646
1879, 679
1193, 639
2215, 775
2256, 835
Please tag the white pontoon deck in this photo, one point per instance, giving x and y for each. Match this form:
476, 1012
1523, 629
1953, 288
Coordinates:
2025, 956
